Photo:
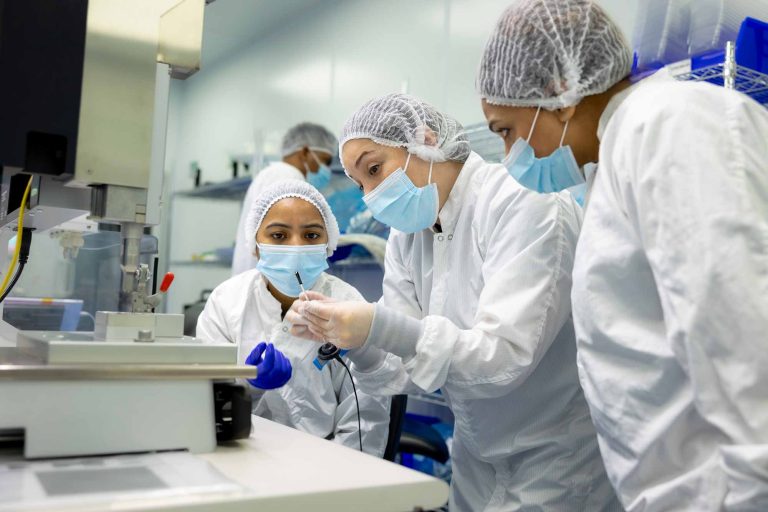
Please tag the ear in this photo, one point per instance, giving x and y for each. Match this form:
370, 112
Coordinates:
306, 159
565, 114
430, 137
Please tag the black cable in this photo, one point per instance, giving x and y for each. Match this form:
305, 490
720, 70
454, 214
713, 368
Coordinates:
16, 277
26, 241
357, 404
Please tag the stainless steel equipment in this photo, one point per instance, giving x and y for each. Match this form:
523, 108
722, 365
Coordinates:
84, 102
85, 113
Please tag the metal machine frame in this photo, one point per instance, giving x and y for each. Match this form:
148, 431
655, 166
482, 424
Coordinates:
87, 114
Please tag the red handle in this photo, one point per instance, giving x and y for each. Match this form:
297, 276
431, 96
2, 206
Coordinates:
167, 280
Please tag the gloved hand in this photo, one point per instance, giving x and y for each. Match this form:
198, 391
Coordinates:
299, 324
345, 324
274, 368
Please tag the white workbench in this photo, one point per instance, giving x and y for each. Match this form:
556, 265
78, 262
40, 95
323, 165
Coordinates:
292, 471
280, 469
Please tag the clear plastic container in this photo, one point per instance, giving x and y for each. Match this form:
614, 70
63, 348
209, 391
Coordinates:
715, 22
668, 31
661, 32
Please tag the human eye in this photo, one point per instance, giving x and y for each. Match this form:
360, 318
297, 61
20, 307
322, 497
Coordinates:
374, 169
503, 133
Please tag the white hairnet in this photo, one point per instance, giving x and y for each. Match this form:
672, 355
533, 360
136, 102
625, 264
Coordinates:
290, 188
310, 135
551, 54
400, 120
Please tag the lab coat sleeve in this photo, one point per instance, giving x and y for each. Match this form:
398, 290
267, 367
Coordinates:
212, 325
379, 372
697, 190
386, 376
374, 415
529, 241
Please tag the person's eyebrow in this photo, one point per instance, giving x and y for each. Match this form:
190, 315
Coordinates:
278, 225
313, 225
357, 162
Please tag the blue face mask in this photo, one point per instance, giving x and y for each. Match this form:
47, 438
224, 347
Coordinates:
579, 192
279, 264
552, 173
400, 204
321, 178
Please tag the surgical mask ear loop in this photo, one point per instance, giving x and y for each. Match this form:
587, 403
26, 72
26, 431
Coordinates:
535, 118
317, 160
306, 167
431, 162
565, 129
562, 139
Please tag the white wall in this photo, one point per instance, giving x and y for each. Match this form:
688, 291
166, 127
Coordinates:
320, 67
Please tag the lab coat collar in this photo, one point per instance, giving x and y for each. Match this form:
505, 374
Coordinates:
452, 207
267, 303
613, 105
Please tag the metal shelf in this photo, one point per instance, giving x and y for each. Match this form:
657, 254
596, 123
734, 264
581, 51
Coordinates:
750, 82
201, 263
721, 68
232, 190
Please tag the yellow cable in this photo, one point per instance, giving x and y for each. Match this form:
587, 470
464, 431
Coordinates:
19, 232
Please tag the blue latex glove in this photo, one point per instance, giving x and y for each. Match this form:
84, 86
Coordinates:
274, 368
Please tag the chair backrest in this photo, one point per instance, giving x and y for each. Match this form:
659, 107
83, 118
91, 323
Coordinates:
420, 438
192, 311
396, 418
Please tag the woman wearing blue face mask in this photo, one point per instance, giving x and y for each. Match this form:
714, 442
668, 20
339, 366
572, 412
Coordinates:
553, 173
476, 304
292, 229
307, 150
670, 277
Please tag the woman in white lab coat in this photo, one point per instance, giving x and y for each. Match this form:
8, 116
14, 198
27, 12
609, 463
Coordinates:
670, 291
307, 150
476, 304
292, 229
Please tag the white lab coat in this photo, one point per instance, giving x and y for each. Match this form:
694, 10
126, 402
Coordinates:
275, 172
492, 291
671, 298
241, 310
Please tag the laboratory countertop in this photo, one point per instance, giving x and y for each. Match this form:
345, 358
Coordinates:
276, 469
293, 471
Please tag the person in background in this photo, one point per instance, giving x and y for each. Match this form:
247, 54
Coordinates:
290, 229
476, 303
670, 293
307, 151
